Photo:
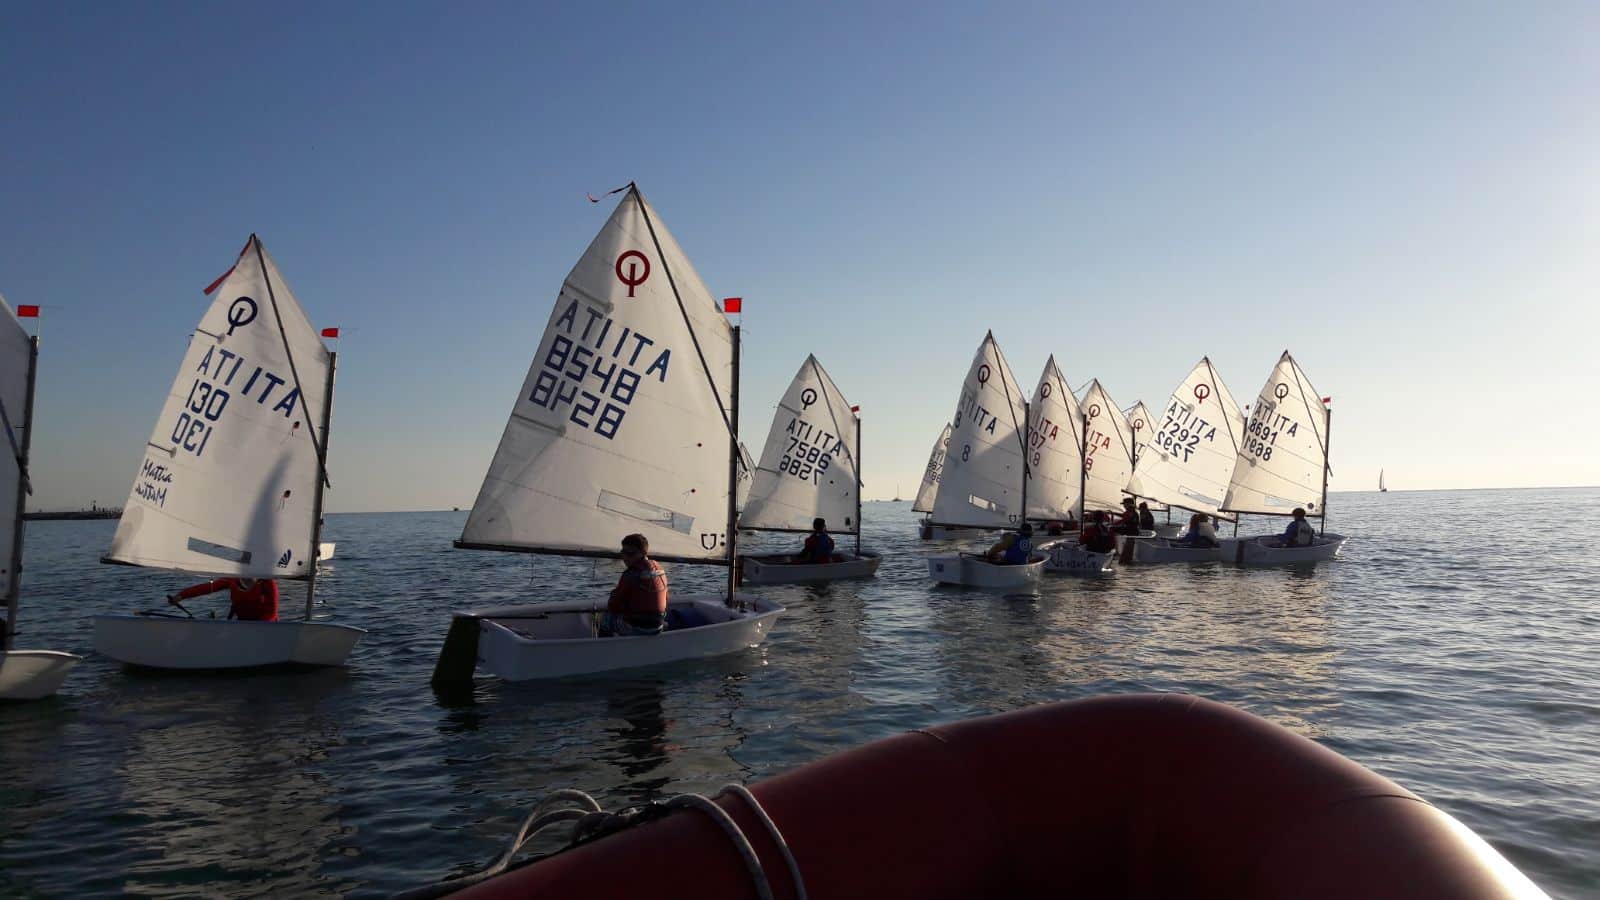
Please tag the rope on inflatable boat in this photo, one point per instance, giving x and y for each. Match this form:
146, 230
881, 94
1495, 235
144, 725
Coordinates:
591, 823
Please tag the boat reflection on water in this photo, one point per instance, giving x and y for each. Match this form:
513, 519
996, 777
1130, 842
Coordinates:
1259, 639
235, 779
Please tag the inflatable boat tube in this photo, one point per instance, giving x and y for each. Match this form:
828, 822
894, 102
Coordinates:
1146, 796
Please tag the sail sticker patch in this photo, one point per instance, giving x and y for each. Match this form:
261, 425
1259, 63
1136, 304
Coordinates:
207, 548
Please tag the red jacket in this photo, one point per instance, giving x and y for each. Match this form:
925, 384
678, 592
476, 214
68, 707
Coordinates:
257, 604
641, 591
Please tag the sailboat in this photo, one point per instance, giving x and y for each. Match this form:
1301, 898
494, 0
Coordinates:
928, 491
1381, 488
984, 484
231, 481
809, 469
1140, 425
1283, 465
1056, 473
24, 674
1189, 459
627, 422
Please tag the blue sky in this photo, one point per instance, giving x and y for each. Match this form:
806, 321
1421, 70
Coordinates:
1404, 198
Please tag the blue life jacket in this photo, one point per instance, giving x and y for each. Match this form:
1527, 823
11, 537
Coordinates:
1019, 551
1291, 535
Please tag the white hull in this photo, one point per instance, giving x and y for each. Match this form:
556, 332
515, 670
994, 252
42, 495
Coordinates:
325, 551
1068, 558
974, 571
1162, 550
1257, 552
553, 640
33, 674
162, 642
776, 569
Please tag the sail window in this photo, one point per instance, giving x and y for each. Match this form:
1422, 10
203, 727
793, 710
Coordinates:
612, 501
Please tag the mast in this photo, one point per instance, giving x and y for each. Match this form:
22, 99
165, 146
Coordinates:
858, 485
733, 466
316, 497
14, 587
1026, 439
1083, 465
1327, 447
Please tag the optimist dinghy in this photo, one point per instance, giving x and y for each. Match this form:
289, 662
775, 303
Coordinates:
1057, 472
231, 481
24, 674
626, 422
1186, 462
809, 469
984, 483
929, 490
1283, 464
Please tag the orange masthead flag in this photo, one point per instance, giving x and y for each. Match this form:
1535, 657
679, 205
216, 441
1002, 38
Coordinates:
733, 305
27, 312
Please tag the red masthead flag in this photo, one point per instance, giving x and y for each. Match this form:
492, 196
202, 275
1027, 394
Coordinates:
733, 305
27, 312
330, 332
855, 409
1327, 401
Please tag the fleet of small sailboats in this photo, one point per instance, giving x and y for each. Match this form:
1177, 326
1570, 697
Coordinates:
627, 422
24, 674
231, 480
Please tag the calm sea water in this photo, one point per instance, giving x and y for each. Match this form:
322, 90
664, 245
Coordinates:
1448, 649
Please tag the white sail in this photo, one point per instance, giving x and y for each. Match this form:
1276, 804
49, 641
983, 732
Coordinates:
747, 477
16, 350
1192, 451
983, 471
1380, 481
808, 466
619, 427
1055, 444
1109, 450
1141, 425
933, 474
1284, 450
228, 481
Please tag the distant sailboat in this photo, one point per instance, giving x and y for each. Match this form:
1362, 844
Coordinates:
1381, 488
1282, 466
809, 469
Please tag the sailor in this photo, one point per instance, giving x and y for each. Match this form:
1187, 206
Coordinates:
249, 599
1128, 522
1299, 533
1013, 549
1200, 533
819, 544
638, 604
1096, 536
1147, 519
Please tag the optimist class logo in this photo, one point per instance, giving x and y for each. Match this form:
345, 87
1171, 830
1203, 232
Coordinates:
638, 269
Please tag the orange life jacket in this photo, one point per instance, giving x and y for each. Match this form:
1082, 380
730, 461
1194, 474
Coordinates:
641, 591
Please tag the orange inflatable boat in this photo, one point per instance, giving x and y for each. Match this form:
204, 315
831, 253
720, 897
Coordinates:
1141, 796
